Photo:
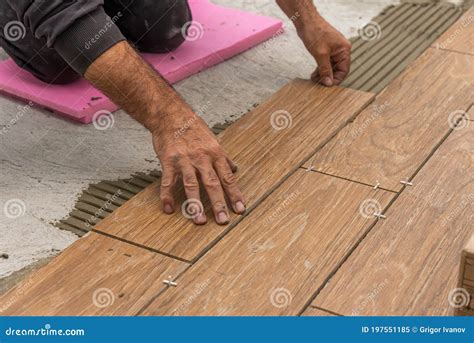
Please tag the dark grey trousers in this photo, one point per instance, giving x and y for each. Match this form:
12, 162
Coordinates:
148, 24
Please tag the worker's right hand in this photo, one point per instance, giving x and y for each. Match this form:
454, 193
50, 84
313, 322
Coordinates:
330, 49
190, 152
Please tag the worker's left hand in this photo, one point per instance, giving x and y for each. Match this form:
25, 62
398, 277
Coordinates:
331, 50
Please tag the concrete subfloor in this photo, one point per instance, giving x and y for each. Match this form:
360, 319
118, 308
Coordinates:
47, 160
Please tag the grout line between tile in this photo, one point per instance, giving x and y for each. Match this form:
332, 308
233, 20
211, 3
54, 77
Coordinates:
350, 180
452, 51
364, 235
140, 246
326, 310
263, 198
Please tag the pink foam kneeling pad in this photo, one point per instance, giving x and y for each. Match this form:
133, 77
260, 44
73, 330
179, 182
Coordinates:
217, 33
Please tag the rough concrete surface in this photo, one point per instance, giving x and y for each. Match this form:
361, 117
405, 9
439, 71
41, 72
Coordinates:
47, 160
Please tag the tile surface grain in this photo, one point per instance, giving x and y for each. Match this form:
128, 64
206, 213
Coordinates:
95, 276
392, 137
460, 37
409, 263
268, 144
277, 257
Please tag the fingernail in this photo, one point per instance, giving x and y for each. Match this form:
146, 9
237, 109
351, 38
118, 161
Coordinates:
222, 218
239, 207
326, 81
200, 219
168, 209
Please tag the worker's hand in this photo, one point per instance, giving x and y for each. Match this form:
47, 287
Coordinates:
190, 152
331, 50
184, 144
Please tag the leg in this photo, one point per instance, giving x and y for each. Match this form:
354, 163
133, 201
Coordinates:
152, 26
31, 53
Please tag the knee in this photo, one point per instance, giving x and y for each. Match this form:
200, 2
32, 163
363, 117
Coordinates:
156, 26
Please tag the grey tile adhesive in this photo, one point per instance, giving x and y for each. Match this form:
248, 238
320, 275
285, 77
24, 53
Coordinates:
402, 33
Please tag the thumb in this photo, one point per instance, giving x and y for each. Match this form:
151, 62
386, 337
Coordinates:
324, 70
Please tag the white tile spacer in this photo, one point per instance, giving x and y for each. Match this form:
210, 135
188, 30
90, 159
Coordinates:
406, 183
379, 215
310, 168
169, 282
377, 185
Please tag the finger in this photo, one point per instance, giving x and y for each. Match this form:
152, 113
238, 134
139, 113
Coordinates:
229, 182
325, 68
168, 182
342, 66
194, 208
315, 76
234, 167
215, 192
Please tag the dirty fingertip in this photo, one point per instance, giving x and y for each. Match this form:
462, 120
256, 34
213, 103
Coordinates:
327, 81
222, 218
239, 207
234, 167
168, 209
200, 219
